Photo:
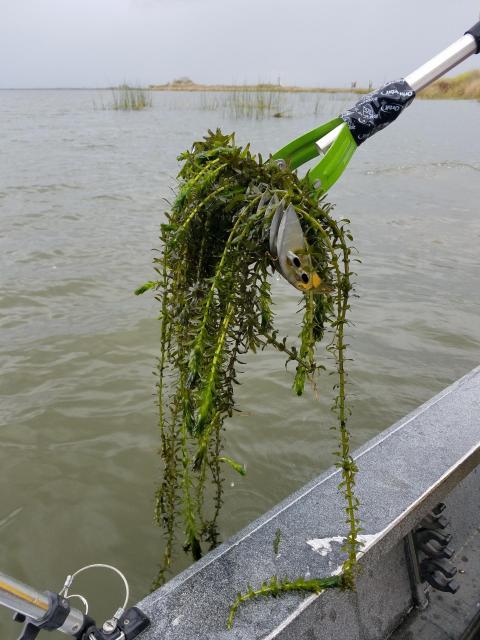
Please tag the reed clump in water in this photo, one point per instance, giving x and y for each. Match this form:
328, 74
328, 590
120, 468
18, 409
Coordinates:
265, 102
256, 104
261, 104
213, 287
126, 98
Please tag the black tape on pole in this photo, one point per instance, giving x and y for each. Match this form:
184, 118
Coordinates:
475, 32
376, 110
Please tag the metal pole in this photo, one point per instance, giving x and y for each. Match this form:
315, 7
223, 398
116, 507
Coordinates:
443, 62
34, 604
20, 597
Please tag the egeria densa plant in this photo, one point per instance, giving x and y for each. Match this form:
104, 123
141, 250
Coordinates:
213, 286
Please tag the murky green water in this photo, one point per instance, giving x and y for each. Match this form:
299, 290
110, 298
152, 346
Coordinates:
81, 199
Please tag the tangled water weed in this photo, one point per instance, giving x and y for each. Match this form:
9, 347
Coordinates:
213, 286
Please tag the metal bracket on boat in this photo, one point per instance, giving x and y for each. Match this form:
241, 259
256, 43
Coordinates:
428, 553
127, 627
53, 619
47, 610
123, 625
433, 551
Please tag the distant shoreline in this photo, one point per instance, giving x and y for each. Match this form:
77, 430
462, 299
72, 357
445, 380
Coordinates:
465, 86
277, 88
186, 87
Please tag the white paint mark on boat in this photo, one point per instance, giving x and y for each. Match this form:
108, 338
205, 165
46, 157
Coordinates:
323, 546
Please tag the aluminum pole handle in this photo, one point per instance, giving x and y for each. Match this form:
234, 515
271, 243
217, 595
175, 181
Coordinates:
35, 605
446, 60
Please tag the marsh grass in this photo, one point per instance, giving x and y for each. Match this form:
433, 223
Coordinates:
465, 86
126, 98
257, 104
265, 102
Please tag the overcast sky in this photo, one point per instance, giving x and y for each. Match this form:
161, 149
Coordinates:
94, 43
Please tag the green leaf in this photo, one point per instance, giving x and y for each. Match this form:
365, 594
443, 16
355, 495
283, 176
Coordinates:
236, 466
145, 287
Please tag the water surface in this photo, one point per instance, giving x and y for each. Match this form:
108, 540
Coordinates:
82, 194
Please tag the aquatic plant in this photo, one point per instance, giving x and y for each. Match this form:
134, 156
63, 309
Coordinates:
126, 98
256, 104
215, 305
274, 587
263, 102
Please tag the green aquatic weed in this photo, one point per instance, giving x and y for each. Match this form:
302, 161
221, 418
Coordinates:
275, 587
213, 286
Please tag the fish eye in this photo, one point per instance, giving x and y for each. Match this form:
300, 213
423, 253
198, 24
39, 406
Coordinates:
305, 278
293, 259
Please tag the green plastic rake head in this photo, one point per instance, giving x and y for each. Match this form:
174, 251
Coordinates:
333, 163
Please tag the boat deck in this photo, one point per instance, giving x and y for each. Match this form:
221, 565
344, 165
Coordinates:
430, 456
